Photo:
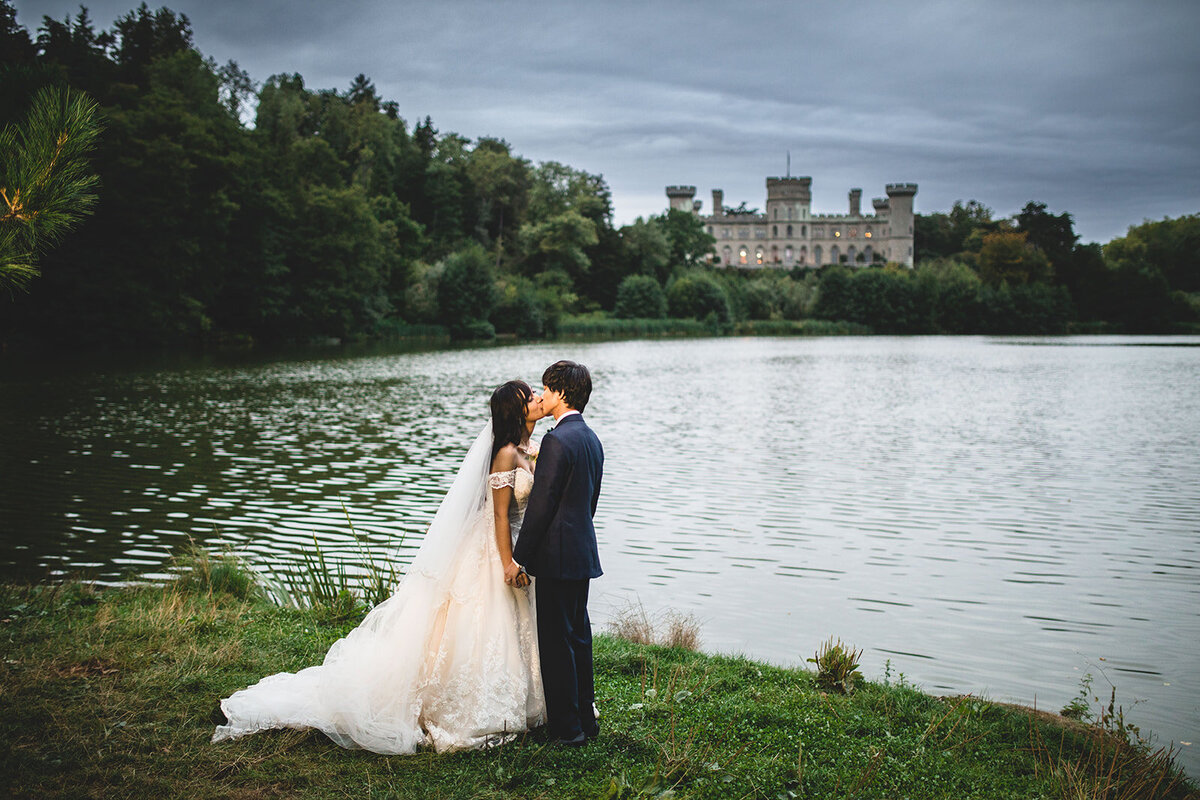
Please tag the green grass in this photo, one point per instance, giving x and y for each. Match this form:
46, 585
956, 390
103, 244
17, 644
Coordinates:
109, 694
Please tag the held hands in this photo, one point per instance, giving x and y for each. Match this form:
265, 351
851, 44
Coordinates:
512, 570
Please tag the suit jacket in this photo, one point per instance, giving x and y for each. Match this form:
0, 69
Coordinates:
557, 539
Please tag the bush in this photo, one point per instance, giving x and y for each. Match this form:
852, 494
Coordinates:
698, 296
640, 297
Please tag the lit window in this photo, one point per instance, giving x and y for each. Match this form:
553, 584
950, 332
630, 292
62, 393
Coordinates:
742, 256
867, 234
758, 257
837, 234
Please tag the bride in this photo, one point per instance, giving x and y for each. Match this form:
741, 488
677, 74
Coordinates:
450, 659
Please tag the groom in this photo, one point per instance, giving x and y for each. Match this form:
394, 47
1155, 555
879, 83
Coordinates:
557, 545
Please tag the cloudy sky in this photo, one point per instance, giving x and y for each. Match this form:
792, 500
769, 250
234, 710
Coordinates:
1092, 107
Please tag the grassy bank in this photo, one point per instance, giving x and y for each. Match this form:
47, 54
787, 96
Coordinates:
109, 695
601, 326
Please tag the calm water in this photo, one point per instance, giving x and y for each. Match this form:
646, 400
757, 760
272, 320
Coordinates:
997, 516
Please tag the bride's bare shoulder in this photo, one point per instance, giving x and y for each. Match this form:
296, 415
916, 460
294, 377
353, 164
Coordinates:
506, 459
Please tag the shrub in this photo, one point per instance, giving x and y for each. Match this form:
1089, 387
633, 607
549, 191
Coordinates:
640, 297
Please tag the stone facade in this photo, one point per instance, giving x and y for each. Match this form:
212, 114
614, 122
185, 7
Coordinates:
788, 235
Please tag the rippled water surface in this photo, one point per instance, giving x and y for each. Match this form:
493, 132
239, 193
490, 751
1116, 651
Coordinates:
998, 516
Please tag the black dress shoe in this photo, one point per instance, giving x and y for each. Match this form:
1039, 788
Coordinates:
578, 741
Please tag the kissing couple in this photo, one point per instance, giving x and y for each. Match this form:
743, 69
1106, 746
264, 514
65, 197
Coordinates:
468, 651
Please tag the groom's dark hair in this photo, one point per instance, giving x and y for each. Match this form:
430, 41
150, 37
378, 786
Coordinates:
571, 380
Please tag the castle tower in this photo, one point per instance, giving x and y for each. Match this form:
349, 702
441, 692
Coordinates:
856, 202
786, 195
718, 209
681, 197
900, 222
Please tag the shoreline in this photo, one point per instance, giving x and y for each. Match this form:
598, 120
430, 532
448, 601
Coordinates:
112, 690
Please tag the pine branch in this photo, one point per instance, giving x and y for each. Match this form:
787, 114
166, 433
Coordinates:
46, 182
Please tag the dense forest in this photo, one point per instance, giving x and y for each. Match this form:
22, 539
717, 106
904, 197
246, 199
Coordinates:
230, 212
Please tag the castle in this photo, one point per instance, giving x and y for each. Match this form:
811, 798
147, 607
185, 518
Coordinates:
789, 235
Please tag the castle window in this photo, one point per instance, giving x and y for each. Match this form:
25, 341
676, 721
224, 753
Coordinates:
710, 230
818, 233
804, 230
837, 234
803, 253
789, 230
726, 258
787, 254
742, 255
790, 212
775, 213
758, 256
834, 255
775, 229
868, 233
760, 233
774, 254
854, 232
726, 233
817, 253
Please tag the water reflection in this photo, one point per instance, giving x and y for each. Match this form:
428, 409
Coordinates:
993, 516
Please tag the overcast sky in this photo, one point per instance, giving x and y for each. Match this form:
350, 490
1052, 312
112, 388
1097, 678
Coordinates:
1091, 107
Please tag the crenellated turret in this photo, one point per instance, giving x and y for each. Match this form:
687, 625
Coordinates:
681, 197
856, 202
900, 212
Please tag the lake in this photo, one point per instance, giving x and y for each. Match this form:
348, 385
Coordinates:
991, 515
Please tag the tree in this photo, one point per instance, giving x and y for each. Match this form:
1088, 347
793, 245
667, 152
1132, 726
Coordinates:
1171, 245
500, 183
647, 249
640, 297
1053, 234
144, 36
467, 294
1008, 257
15, 44
46, 181
688, 242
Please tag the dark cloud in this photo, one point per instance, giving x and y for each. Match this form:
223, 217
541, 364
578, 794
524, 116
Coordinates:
1092, 107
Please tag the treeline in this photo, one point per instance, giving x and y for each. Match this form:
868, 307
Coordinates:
235, 212
232, 211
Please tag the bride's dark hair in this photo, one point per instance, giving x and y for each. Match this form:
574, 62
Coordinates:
508, 404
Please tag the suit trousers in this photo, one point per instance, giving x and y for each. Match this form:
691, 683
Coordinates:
565, 650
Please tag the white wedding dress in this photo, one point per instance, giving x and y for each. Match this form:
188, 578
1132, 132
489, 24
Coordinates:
449, 660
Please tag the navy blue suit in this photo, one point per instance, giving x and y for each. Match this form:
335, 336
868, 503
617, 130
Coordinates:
557, 545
